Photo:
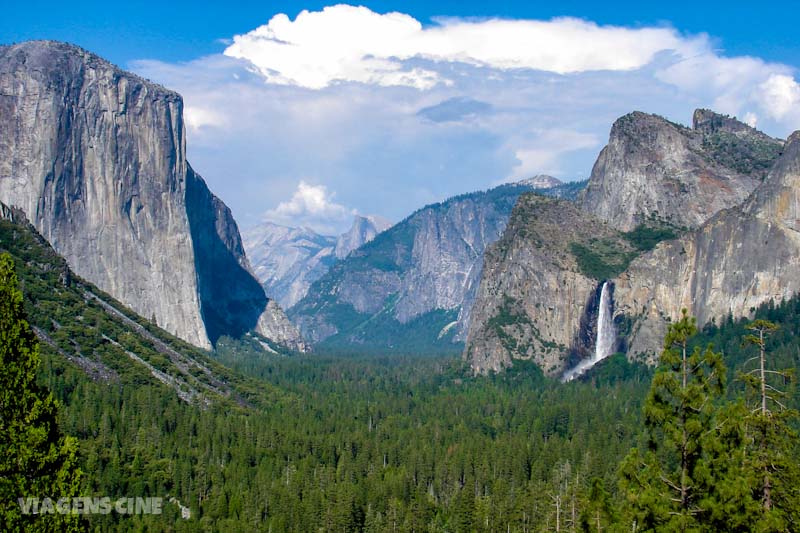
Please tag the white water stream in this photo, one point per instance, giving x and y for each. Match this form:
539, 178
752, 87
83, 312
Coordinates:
605, 337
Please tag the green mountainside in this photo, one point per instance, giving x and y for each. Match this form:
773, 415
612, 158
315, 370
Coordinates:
411, 288
309, 442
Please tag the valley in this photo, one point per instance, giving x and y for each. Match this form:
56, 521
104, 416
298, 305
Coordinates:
613, 353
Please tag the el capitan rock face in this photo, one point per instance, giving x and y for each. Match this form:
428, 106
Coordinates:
96, 158
655, 169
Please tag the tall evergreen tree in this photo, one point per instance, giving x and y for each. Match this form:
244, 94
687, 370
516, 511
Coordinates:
771, 448
36, 459
599, 512
669, 486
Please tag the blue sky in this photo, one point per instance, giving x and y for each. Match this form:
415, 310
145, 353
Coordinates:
344, 110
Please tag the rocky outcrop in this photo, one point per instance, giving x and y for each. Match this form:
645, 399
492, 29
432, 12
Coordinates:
541, 181
534, 304
96, 158
288, 260
425, 266
656, 169
537, 299
363, 230
740, 259
232, 301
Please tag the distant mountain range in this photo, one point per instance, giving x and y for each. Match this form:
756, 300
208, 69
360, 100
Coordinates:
288, 260
412, 287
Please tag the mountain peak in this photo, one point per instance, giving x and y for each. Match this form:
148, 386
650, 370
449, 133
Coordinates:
47, 56
656, 169
363, 230
710, 122
540, 181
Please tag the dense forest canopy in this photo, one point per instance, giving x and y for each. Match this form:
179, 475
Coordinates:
353, 443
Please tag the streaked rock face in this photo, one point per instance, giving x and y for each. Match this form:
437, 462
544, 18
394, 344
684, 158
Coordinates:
653, 168
96, 158
288, 260
534, 302
740, 259
430, 261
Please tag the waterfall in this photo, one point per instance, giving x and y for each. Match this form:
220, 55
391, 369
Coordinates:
604, 344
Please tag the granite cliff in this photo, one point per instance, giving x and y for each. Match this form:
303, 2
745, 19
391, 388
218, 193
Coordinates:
363, 230
740, 259
655, 169
538, 296
96, 158
412, 287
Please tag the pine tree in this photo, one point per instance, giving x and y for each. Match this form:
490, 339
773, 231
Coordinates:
599, 512
770, 438
669, 487
36, 459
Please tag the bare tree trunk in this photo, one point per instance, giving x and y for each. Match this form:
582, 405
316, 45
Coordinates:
684, 439
767, 483
558, 512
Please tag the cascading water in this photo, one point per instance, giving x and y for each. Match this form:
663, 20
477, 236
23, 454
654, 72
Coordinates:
606, 335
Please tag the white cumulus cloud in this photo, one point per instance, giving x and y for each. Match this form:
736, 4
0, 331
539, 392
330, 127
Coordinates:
311, 206
198, 118
780, 96
347, 43
393, 114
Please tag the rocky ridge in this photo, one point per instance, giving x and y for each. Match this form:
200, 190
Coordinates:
655, 169
96, 158
739, 257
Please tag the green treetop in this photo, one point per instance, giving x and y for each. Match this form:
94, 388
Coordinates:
36, 460
668, 487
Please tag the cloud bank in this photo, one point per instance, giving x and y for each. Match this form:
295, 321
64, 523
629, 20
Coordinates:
347, 43
301, 117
